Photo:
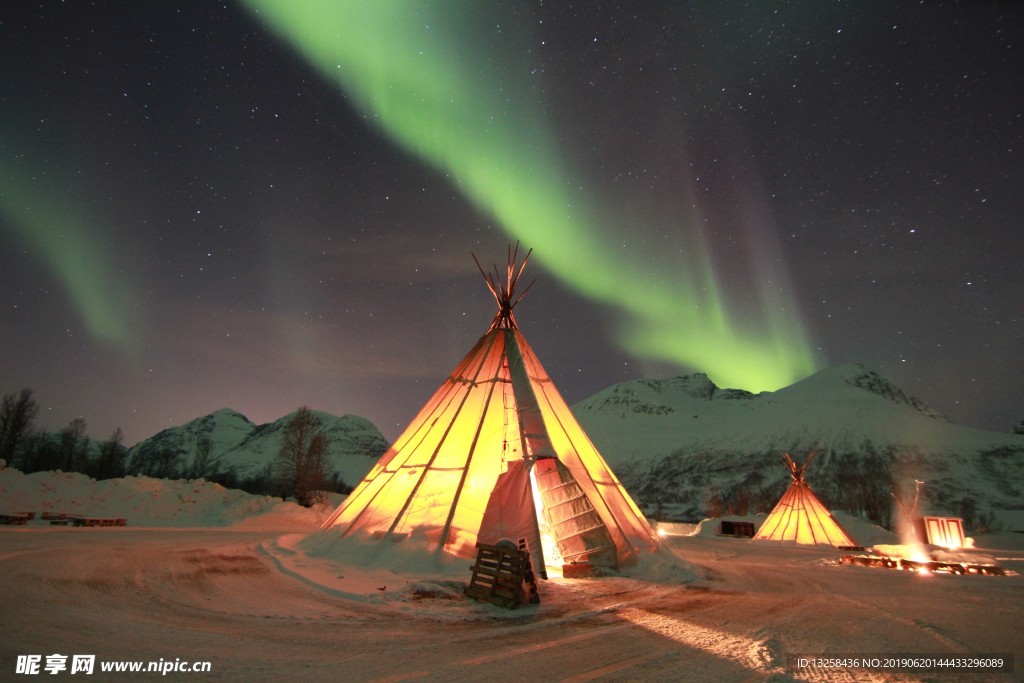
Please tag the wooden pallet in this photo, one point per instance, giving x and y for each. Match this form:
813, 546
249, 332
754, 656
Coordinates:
503, 575
64, 519
925, 566
14, 518
98, 521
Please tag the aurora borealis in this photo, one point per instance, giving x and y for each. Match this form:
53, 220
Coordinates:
262, 204
408, 72
52, 229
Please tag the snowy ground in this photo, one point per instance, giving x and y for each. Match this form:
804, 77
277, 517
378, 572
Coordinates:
246, 600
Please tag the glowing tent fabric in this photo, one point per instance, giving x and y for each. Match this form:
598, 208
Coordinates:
799, 516
497, 410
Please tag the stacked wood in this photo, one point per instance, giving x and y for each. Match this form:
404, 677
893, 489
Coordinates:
503, 576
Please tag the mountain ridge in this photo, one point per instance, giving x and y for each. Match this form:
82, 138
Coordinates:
687, 448
237, 443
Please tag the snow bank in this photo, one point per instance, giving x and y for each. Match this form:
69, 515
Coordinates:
148, 502
417, 557
405, 576
410, 555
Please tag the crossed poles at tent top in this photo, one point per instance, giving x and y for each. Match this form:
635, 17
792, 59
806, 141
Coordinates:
505, 294
797, 472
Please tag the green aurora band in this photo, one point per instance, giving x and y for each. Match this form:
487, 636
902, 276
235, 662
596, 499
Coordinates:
413, 71
50, 229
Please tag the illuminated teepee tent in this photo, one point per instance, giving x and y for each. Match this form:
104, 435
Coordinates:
800, 516
496, 454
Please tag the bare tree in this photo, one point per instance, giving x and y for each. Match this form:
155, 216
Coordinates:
204, 464
74, 445
17, 414
159, 463
39, 454
109, 462
299, 464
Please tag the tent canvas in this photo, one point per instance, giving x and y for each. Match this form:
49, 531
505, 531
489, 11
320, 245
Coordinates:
799, 515
498, 410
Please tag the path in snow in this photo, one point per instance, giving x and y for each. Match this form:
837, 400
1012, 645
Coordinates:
215, 595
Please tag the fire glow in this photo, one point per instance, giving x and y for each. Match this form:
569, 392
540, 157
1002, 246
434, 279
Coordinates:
922, 566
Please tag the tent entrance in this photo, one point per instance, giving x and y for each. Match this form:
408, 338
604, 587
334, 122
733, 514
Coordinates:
577, 529
511, 515
544, 505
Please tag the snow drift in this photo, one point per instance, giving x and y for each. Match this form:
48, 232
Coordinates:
148, 502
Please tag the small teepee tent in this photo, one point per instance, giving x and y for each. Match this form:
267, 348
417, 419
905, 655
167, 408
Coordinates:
799, 516
497, 454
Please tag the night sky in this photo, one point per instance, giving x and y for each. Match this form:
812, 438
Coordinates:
266, 204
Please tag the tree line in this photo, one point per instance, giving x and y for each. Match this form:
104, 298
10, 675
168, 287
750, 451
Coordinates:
299, 470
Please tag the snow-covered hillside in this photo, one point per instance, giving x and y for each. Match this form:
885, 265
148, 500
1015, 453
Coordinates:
682, 444
355, 443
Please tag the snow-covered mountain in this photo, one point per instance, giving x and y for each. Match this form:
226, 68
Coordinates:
686, 447
355, 443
